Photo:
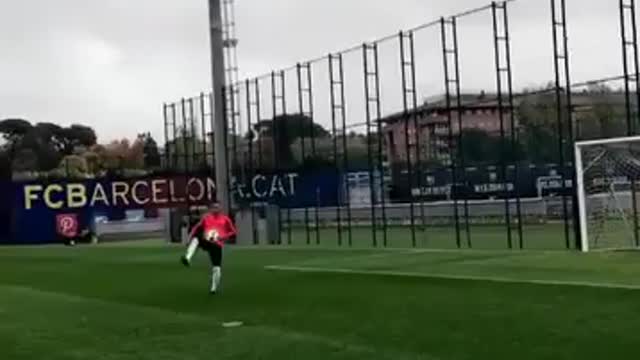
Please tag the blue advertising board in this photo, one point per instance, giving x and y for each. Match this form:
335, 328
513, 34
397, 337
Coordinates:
35, 206
524, 181
289, 190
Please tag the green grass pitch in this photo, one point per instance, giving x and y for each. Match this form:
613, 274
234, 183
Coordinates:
134, 301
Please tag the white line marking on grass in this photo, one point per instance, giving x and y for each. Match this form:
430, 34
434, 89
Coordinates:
232, 324
492, 279
364, 249
376, 255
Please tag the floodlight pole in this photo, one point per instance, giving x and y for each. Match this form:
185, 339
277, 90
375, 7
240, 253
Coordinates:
218, 121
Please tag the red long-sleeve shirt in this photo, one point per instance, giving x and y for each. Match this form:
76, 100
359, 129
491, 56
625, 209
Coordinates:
221, 223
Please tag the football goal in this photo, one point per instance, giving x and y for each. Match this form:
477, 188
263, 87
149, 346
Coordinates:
608, 180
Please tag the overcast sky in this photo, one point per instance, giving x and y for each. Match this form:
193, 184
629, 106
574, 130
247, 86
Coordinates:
112, 63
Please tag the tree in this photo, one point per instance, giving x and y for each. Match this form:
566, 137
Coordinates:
52, 134
188, 153
263, 154
72, 166
5, 164
43, 146
598, 112
150, 150
77, 135
65, 140
291, 127
122, 154
538, 121
24, 160
481, 147
358, 157
134, 159
14, 129
284, 130
94, 161
604, 116
318, 152
43, 143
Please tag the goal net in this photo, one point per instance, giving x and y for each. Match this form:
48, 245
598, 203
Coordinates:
608, 180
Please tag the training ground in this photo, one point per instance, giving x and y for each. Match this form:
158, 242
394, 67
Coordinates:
135, 301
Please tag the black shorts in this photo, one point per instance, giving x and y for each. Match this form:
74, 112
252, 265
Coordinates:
214, 251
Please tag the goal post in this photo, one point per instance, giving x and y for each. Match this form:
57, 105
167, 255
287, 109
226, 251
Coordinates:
607, 184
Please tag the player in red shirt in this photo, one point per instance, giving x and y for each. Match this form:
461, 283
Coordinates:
210, 234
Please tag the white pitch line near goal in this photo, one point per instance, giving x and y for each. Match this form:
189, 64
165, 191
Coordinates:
452, 277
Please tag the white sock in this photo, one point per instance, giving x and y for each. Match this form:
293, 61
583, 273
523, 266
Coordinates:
216, 275
191, 249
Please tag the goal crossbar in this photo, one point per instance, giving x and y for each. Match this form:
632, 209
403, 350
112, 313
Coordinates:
608, 141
